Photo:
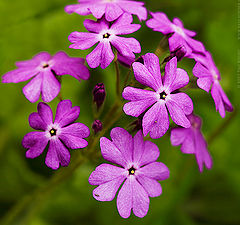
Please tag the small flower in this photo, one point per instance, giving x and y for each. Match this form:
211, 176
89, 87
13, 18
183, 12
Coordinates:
208, 78
139, 172
97, 126
99, 94
106, 34
43, 69
61, 135
163, 98
192, 142
112, 9
180, 35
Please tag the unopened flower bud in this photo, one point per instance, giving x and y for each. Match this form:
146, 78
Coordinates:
99, 94
97, 126
179, 52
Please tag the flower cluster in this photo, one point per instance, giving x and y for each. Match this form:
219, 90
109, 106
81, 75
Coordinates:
155, 97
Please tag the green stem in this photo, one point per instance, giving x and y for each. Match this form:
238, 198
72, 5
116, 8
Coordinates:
117, 78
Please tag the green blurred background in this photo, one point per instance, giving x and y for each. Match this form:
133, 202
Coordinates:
189, 198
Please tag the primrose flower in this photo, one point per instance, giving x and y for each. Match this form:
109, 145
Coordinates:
44, 69
112, 9
180, 35
208, 78
192, 142
138, 171
106, 34
163, 98
61, 135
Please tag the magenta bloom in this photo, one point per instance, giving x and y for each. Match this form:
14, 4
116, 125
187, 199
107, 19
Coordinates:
61, 135
112, 9
43, 70
208, 78
180, 35
162, 98
192, 142
106, 34
139, 171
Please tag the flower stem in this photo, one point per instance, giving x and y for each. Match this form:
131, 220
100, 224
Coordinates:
117, 78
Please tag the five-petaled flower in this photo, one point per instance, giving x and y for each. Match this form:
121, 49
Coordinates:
179, 35
106, 34
139, 171
192, 142
44, 70
112, 9
208, 78
61, 135
164, 96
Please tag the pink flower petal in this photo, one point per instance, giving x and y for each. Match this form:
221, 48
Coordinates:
107, 191
152, 187
143, 76
181, 80
82, 40
66, 114
33, 89
155, 170
113, 11
177, 114
135, 8
35, 61
184, 101
19, 75
57, 154
160, 22
111, 153
63, 64
35, 142
123, 141
105, 173
151, 62
94, 58
150, 154
45, 113
156, 121
72, 135
36, 122
107, 55
123, 25
50, 86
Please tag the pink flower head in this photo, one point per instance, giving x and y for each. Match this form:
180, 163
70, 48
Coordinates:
43, 70
192, 142
180, 35
61, 135
139, 171
112, 9
162, 98
208, 78
106, 34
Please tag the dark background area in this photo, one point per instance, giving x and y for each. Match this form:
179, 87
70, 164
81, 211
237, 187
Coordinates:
189, 198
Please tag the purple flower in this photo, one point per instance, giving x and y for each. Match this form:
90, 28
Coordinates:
61, 135
180, 35
208, 78
163, 98
43, 70
106, 34
139, 171
192, 142
112, 9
